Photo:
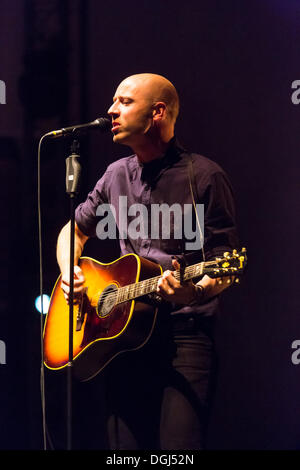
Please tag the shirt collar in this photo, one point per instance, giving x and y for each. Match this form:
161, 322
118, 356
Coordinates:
172, 153
152, 170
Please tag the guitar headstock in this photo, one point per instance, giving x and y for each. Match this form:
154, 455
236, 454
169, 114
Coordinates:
232, 264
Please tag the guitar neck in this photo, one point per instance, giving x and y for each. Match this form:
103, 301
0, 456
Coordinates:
148, 286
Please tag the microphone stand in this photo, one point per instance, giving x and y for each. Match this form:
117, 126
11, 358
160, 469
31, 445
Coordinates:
73, 170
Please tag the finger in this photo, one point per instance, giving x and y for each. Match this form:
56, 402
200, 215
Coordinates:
78, 273
77, 289
172, 281
175, 264
65, 280
169, 275
164, 287
77, 282
170, 278
76, 298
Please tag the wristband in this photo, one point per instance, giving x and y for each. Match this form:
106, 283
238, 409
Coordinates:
198, 294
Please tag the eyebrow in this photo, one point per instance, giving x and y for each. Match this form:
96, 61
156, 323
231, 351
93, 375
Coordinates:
122, 98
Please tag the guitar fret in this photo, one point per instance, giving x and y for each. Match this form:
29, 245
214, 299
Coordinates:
147, 286
120, 295
141, 288
127, 292
135, 290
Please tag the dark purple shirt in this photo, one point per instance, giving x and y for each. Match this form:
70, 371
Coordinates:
166, 180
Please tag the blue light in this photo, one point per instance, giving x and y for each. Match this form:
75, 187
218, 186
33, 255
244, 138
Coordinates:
46, 301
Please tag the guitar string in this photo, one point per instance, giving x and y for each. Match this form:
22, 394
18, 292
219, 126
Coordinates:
152, 281
148, 283
133, 290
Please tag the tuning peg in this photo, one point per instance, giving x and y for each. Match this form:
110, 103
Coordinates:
220, 281
226, 254
237, 280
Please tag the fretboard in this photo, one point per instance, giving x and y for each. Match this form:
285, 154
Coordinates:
133, 291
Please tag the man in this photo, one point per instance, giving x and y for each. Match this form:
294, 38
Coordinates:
158, 396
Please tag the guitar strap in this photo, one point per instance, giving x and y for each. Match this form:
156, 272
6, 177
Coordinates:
193, 190
184, 259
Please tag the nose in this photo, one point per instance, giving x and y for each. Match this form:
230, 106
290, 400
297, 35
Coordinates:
113, 110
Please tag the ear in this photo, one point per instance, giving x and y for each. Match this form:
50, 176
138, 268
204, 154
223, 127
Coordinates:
159, 111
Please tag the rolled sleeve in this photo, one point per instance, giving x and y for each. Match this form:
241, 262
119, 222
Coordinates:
85, 213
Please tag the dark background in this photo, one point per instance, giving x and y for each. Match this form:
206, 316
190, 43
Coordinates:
233, 63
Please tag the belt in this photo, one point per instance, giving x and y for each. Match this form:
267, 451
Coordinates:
191, 322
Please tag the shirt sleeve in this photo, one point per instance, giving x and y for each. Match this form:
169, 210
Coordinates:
85, 213
220, 231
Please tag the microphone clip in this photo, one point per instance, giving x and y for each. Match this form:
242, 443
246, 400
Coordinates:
73, 169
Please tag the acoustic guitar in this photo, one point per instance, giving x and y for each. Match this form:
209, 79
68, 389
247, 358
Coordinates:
117, 311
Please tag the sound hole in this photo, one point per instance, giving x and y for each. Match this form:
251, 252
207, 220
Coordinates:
107, 300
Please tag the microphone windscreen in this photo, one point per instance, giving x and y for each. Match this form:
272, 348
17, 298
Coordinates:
104, 124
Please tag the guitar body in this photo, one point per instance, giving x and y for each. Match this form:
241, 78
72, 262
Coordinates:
109, 319
98, 337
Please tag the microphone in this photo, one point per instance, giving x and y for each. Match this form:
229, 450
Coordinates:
102, 124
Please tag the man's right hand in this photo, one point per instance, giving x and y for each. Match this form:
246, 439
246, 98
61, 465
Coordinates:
79, 287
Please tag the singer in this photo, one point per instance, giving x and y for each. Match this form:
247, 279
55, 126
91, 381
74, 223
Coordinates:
159, 396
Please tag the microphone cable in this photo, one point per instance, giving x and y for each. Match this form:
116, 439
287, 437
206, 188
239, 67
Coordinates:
103, 124
42, 371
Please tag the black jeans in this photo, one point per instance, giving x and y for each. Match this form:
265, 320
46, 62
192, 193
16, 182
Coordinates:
158, 396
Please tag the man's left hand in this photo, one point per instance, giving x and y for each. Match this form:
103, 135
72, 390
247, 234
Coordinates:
171, 290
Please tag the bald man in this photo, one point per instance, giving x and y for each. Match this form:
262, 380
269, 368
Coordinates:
158, 396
